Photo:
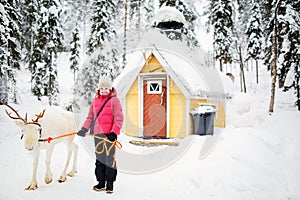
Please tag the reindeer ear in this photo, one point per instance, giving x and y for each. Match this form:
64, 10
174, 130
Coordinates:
19, 123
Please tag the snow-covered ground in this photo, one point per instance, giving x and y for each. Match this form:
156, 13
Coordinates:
256, 156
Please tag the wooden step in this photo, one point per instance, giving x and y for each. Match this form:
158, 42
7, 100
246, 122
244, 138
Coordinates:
152, 143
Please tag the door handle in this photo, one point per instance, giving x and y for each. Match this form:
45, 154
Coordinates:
162, 98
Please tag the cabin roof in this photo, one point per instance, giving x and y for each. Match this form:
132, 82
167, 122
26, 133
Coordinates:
189, 68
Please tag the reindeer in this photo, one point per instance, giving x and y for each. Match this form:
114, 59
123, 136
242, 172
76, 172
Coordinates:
47, 125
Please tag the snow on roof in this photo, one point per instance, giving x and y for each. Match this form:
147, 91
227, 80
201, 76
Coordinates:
189, 68
134, 60
181, 71
167, 14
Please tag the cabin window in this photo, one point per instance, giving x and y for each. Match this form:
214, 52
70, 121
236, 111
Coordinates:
154, 87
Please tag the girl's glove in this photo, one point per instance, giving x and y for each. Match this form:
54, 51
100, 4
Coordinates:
111, 136
82, 132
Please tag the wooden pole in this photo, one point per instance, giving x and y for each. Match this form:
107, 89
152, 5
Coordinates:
256, 71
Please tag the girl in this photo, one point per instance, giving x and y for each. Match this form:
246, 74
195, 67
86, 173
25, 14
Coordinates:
105, 119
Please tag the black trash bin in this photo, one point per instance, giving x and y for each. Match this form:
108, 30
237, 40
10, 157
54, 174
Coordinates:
203, 118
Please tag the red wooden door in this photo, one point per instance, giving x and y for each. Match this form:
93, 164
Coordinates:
155, 108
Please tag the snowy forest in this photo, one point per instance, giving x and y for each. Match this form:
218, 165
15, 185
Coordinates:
33, 33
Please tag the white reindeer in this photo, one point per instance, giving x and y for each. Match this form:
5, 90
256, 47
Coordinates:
52, 124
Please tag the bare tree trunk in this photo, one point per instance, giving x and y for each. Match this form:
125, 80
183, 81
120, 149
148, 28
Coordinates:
280, 81
125, 33
243, 83
31, 50
139, 18
256, 62
273, 85
241, 80
298, 92
221, 67
74, 76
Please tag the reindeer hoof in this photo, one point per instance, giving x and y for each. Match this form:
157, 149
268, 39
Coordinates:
47, 181
72, 173
62, 179
32, 187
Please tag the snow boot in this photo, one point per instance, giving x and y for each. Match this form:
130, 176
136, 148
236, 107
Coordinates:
100, 186
109, 187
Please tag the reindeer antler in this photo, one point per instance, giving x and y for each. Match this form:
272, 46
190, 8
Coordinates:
39, 116
15, 111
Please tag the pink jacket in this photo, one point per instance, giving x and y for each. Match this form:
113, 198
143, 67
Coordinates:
110, 118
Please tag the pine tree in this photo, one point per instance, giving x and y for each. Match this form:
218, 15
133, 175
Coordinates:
254, 36
10, 55
75, 48
46, 46
220, 17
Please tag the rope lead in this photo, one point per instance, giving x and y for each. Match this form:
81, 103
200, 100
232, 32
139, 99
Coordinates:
115, 143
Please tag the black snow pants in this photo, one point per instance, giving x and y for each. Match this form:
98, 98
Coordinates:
106, 168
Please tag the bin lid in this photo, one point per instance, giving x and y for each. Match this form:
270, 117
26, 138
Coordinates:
202, 109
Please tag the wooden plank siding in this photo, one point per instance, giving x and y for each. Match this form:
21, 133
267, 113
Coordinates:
132, 114
177, 103
152, 66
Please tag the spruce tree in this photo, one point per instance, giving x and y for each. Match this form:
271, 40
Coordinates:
140, 13
10, 55
288, 37
75, 48
89, 77
47, 44
221, 18
254, 36
3, 53
282, 49
289, 58
137, 15
76, 13
29, 13
103, 34
267, 8
149, 12
102, 28
101, 48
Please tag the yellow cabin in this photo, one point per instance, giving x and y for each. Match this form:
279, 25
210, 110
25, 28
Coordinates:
162, 83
